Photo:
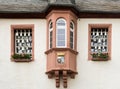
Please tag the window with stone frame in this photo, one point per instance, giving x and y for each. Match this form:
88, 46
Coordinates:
22, 40
99, 39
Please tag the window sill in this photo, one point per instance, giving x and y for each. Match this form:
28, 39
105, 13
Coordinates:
22, 60
100, 59
61, 49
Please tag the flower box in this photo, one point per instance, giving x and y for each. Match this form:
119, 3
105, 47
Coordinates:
21, 58
100, 57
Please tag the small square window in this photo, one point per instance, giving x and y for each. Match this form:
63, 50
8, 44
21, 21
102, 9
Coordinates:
22, 42
99, 42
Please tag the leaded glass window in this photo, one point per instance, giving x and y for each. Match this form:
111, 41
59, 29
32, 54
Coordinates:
61, 33
71, 35
23, 41
50, 34
99, 40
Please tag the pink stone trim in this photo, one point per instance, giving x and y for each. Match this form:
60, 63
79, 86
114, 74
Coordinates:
68, 68
68, 16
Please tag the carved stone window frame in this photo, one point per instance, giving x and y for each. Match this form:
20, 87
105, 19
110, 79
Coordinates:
21, 26
109, 27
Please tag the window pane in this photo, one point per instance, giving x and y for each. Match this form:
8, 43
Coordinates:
71, 39
61, 37
50, 45
50, 34
71, 25
60, 33
71, 34
61, 24
50, 39
71, 45
61, 43
50, 25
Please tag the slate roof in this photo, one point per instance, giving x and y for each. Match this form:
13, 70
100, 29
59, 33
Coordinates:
99, 5
41, 5
22, 5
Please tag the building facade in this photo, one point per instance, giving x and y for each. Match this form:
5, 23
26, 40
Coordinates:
50, 44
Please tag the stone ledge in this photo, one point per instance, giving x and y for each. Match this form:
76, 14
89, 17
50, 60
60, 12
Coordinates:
21, 60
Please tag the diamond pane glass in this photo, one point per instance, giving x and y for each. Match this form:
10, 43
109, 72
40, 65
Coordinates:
23, 41
99, 40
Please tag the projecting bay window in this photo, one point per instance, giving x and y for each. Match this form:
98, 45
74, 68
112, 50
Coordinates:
61, 33
61, 45
22, 43
100, 42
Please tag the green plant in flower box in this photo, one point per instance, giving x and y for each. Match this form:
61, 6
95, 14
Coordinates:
100, 56
21, 56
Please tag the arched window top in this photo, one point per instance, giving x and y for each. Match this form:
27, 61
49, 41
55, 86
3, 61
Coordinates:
61, 22
71, 25
50, 25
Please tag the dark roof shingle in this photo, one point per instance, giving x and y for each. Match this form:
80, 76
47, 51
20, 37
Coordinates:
99, 5
23, 5
41, 5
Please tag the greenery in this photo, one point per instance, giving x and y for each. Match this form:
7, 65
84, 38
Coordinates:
100, 55
21, 56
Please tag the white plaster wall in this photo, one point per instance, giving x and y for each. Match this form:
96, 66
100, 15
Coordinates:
23, 75
91, 75
98, 75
